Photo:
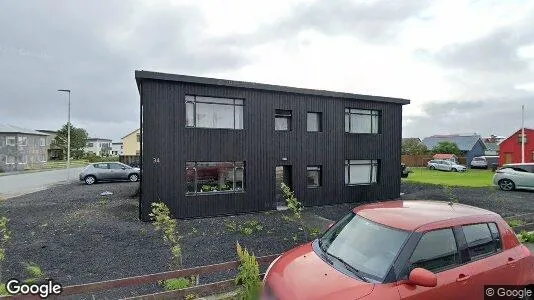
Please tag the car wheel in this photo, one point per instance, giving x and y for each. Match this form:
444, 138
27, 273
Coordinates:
90, 179
432, 168
506, 184
454, 170
133, 177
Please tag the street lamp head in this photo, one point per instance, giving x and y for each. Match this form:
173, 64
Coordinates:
68, 91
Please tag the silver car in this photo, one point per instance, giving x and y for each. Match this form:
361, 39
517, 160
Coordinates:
109, 171
515, 176
445, 165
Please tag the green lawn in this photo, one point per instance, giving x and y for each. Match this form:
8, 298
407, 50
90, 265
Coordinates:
470, 178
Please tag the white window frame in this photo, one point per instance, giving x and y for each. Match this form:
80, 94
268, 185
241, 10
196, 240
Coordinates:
14, 160
23, 138
42, 142
372, 113
374, 173
24, 160
191, 102
11, 138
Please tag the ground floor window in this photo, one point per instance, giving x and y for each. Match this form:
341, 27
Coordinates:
313, 176
361, 171
10, 160
214, 177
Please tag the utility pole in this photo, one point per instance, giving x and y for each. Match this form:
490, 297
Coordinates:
68, 133
522, 134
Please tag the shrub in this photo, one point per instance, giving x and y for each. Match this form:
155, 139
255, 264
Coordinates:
526, 237
35, 272
515, 223
176, 284
248, 277
292, 202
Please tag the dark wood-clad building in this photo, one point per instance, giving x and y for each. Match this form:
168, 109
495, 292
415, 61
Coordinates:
212, 147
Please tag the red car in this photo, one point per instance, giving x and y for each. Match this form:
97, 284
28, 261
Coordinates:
404, 250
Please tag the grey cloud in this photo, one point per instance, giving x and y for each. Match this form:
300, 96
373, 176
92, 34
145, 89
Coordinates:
494, 52
376, 22
93, 49
500, 116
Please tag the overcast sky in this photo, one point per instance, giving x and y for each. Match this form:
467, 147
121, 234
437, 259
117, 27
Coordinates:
467, 66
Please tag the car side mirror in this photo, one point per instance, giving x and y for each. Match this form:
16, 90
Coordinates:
330, 225
124, 168
422, 277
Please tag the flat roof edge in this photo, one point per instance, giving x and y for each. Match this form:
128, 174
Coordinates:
141, 74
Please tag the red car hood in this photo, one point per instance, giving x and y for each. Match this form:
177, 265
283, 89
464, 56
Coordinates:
302, 274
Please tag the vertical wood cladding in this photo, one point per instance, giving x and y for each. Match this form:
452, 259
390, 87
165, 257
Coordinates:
168, 145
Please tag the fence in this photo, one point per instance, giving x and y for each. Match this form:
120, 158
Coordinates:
422, 160
131, 160
199, 290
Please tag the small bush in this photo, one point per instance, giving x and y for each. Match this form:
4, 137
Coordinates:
176, 284
35, 272
526, 237
3, 290
515, 223
292, 202
248, 277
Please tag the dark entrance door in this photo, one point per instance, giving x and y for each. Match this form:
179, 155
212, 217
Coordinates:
283, 174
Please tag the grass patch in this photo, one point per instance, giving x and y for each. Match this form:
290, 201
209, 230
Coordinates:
515, 223
526, 237
470, 178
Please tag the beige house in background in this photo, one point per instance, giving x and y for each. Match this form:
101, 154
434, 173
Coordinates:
130, 142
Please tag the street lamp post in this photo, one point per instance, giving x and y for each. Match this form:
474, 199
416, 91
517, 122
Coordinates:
68, 130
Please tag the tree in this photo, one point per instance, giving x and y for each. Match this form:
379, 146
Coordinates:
413, 147
78, 140
446, 147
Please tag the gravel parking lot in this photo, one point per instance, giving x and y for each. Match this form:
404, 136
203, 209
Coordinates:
76, 236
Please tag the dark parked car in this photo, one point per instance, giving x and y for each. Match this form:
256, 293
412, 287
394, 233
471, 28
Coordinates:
109, 171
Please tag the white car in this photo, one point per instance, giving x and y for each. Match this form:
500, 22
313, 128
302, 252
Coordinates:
445, 165
515, 176
484, 162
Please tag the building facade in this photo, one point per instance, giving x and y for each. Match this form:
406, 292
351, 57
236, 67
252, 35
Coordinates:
21, 148
510, 148
131, 143
117, 148
54, 152
98, 146
213, 147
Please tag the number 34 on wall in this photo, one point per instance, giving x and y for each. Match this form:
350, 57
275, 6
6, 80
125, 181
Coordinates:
155, 160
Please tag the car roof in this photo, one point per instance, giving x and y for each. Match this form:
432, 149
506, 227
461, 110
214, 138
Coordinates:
410, 215
520, 164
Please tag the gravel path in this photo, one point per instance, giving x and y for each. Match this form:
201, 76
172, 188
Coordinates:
76, 236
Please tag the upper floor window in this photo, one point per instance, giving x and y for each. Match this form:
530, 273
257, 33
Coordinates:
362, 121
208, 177
42, 142
89, 144
211, 112
282, 120
314, 122
11, 141
23, 140
520, 138
361, 171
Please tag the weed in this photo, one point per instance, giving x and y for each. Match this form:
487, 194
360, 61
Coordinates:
35, 272
231, 226
515, 223
314, 232
526, 237
5, 236
3, 290
143, 231
176, 284
292, 202
194, 230
191, 296
246, 230
248, 277
451, 195
287, 218
103, 201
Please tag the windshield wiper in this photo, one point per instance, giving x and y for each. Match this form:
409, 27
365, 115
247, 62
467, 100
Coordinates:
324, 255
349, 267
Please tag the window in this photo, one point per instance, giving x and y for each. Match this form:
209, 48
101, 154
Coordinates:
314, 176
436, 251
138, 137
10, 160
42, 142
10, 141
24, 159
315, 122
362, 121
519, 136
23, 141
282, 120
361, 171
89, 144
101, 166
496, 235
480, 240
210, 177
211, 112
42, 157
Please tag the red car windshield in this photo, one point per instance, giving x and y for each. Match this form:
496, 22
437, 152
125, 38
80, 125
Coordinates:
368, 248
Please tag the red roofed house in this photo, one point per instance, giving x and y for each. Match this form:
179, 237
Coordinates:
510, 148
450, 157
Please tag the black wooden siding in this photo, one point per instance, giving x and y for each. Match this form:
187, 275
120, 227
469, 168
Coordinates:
165, 137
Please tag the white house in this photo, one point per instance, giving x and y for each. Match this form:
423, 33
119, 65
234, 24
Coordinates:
117, 148
98, 146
